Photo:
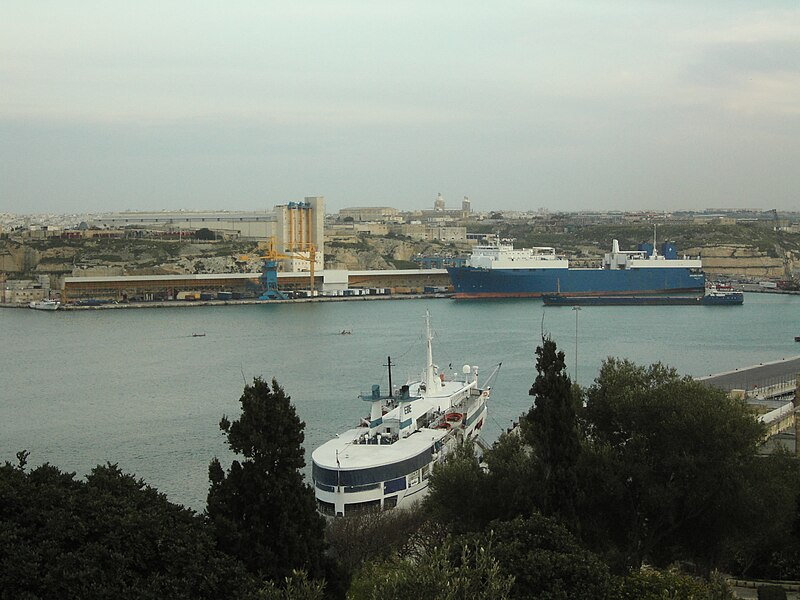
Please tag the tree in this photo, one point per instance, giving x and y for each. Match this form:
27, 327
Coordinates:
465, 573
531, 472
664, 466
551, 429
458, 494
262, 511
205, 233
545, 559
767, 545
649, 584
110, 536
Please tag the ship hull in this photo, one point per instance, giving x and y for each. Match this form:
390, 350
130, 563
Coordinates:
730, 299
470, 282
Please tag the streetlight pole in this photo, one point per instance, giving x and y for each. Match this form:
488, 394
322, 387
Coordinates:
577, 310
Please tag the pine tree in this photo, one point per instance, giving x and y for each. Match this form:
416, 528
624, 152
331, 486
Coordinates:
551, 428
262, 510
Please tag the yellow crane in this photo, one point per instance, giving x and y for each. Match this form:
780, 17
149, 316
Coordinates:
271, 255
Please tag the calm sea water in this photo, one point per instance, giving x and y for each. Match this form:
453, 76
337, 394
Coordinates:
134, 387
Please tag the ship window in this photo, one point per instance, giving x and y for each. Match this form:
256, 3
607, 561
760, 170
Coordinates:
370, 475
361, 488
390, 502
394, 485
360, 507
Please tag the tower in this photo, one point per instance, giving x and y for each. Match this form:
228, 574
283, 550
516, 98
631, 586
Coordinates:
299, 227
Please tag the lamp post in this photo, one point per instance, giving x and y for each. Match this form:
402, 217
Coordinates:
577, 310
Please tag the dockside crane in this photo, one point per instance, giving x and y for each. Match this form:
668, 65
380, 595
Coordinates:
271, 256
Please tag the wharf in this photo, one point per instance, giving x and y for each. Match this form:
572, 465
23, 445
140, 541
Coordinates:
777, 376
247, 301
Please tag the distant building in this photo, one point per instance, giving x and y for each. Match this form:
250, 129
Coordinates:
434, 233
441, 213
370, 213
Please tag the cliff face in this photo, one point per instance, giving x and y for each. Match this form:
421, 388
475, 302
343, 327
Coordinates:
364, 253
741, 260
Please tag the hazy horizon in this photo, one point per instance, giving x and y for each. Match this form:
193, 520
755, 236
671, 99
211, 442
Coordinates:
569, 106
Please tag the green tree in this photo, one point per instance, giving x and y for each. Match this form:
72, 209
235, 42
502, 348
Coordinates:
545, 559
667, 458
649, 584
551, 430
470, 573
767, 545
458, 492
204, 234
110, 536
262, 510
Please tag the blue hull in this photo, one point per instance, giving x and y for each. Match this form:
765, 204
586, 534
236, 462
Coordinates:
470, 282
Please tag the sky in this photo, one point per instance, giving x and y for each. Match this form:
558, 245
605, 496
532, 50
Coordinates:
519, 105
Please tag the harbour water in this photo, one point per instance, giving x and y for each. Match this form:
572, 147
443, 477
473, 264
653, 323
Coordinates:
135, 387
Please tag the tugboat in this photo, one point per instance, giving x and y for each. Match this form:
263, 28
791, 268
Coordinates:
387, 460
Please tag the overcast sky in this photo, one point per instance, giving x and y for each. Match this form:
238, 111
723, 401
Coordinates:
567, 105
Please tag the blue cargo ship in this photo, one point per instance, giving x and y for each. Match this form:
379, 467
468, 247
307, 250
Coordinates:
498, 270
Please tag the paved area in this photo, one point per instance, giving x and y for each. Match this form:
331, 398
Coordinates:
757, 376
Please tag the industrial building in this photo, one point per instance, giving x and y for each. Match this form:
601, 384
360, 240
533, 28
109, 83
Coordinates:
144, 288
294, 229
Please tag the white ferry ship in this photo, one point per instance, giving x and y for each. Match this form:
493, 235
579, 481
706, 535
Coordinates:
387, 461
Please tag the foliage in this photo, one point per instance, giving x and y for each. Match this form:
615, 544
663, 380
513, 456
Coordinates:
377, 535
767, 545
545, 559
667, 456
110, 536
204, 233
262, 511
295, 587
650, 584
470, 574
458, 492
771, 592
551, 430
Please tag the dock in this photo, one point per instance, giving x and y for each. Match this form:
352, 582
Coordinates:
770, 386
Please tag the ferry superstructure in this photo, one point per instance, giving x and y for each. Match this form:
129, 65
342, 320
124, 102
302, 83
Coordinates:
498, 270
387, 461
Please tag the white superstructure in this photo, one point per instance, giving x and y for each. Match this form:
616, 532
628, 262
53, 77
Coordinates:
387, 461
501, 254
639, 259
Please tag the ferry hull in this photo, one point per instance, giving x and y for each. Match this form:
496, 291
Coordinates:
470, 282
338, 495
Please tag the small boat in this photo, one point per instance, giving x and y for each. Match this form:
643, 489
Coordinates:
797, 338
387, 460
345, 332
199, 334
45, 304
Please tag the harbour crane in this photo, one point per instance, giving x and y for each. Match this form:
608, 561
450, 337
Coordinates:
271, 255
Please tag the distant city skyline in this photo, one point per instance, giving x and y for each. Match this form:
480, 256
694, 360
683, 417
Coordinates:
579, 105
